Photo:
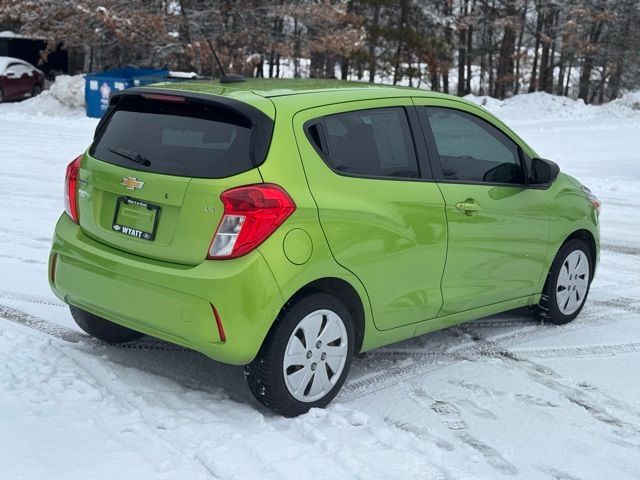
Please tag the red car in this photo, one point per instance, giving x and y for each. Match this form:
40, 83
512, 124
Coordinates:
19, 79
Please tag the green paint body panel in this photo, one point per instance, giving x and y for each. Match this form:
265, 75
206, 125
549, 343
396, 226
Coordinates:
381, 230
416, 262
168, 300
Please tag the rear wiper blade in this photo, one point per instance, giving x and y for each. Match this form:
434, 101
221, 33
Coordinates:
133, 156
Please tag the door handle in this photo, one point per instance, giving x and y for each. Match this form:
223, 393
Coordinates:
469, 206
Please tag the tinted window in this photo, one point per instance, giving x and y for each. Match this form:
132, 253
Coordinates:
371, 143
473, 150
192, 140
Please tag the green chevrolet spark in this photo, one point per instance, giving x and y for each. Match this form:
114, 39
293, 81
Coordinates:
289, 225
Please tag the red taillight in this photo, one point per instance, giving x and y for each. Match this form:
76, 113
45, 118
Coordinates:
71, 189
251, 214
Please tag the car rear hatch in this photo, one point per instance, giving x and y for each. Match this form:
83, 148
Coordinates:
151, 182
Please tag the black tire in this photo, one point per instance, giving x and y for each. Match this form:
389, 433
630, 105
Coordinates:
265, 376
37, 90
548, 309
102, 329
1, 96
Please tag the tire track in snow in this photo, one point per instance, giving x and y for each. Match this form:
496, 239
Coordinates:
27, 320
556, 474
598, 404
21, 234
408, 362
621, 249
133, 402
68, 335
21, 297
451, 418
577, 351
91, 345
98, 371
410, 367
542, 352
23, 259
622, 303
420, 432
100, 376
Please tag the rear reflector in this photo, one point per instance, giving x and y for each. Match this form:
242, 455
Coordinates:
251, 214
223, 337
71, 189
54, 264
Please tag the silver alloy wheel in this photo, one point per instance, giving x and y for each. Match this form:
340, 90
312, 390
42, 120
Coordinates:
315, 355
573, 281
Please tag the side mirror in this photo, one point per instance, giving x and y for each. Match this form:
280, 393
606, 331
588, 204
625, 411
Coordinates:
543, 172
10, 74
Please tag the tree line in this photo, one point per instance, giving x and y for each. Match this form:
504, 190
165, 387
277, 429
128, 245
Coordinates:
588, 49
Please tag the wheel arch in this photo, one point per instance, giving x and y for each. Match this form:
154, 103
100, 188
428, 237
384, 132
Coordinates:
580, 233
587, 237
343, 291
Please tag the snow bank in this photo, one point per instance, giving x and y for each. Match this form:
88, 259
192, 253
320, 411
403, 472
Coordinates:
69, 90
64, 98
629, 99
542, 107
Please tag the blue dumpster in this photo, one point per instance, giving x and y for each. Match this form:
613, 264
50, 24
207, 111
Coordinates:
98, 86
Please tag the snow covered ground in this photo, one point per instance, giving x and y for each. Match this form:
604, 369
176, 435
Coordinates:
502, 397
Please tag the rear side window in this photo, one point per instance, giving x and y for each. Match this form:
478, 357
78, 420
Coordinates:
375, 142
184, 139
472, 150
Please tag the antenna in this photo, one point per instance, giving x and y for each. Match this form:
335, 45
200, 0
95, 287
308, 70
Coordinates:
226, 77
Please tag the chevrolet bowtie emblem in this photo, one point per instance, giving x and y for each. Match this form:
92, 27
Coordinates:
131, 183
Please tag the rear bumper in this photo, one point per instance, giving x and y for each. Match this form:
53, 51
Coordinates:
166, 300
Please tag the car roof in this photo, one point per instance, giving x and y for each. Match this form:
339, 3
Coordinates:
304, 93
4, 61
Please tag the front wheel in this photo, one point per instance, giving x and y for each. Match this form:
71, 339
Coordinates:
305, 358
567, 284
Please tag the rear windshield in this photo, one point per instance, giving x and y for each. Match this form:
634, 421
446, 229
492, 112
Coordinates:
184, 139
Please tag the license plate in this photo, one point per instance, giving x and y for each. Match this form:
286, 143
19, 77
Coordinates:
135, 218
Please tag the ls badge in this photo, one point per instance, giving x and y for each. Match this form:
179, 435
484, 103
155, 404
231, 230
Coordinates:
131, 183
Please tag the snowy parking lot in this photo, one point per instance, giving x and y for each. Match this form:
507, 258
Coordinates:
501, 397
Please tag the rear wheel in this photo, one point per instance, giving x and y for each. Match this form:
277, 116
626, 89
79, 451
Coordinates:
103, 329
37, 89
567, 284
1, 96
305, 358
